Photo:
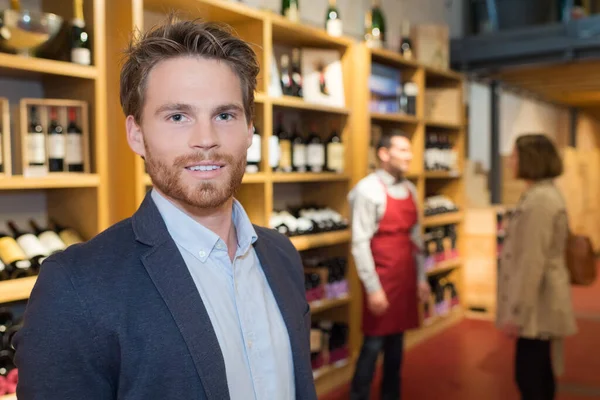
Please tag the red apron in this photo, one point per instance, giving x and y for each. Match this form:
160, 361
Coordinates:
393, 253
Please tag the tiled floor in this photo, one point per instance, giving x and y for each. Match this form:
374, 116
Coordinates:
473, 361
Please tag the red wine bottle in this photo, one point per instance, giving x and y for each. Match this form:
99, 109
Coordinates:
56, 143
74, 151
36, 141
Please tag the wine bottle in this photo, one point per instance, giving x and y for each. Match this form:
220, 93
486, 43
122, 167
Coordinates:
296, 74
50, 239
13, 256
274, 154
411, 90
406, 48
80, 40
36, 141
74, 150
333, 22
31, 245
315, 152
286, 76
254, 152
285, 147
335, 152
6, 320
291, 10
56, 143
7, 363
67, 235
375, 26
298, 152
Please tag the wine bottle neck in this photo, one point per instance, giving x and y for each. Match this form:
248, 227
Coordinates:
78, 13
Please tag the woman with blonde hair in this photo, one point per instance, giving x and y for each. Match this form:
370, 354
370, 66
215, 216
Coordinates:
534, 294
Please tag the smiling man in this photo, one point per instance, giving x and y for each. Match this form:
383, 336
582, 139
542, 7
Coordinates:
187, 299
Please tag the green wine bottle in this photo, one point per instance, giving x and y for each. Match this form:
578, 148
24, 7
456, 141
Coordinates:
291, 9
333, 22
375, 26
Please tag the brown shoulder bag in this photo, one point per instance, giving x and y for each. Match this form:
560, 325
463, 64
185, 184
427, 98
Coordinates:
581, 260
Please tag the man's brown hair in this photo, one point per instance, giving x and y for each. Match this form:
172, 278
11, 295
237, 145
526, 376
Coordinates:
538, 158
185, 38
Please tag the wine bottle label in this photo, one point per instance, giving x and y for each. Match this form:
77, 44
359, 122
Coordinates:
299, 155
56, 146
36, 146
69, 237
285, 149
10, 250
292, 13
316, 155
334, 27
32, 246
254, 150
273, 151
335, 157
81, 56
74, 153
51, 241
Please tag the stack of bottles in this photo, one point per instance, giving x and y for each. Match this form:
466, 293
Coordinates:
439, 204
444, 298
439, 245
440, 154
307, 220
23, 252
325, 279
331, 348
9, 325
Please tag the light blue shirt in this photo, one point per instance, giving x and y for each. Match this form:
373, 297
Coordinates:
245, 316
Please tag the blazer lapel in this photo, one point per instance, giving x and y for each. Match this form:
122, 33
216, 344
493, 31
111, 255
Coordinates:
279, 281
181, 296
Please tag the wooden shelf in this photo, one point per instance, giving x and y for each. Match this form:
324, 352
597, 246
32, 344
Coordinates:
443, 125
445, 266
333, 376
392, 58
300, 104
19, 66
309, 177
327, 304
54, 181
307, 242
400, 118
443, 219
436, 73
442, 174
16, 289
298, 34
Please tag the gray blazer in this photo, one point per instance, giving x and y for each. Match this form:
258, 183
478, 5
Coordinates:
533, 281
130, 324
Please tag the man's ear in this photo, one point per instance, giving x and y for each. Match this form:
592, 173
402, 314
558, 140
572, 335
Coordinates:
135, 137
250, 134
383, 154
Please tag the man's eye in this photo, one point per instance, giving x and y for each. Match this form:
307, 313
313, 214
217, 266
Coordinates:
177, 117
225, 116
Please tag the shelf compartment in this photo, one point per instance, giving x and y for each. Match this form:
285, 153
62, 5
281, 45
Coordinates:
400, 118
318, 306
442, 174
298, 34
16, 289
307, 242
329, 377
300, 104
443, 219
392, 58
19, 66
445, 266
309, 177
57, 180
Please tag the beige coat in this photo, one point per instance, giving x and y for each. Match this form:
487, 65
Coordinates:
533, 280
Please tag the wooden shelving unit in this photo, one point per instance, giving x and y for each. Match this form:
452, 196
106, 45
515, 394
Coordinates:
428, 81
266, 190
77, 200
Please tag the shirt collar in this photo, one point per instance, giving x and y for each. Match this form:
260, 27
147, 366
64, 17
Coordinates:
387, 178
196, 238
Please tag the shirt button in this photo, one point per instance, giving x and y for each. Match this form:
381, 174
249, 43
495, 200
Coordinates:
249, 344
202, 253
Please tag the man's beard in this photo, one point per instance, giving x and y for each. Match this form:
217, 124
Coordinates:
205, 195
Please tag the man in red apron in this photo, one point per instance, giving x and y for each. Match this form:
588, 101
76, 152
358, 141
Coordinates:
386, 246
